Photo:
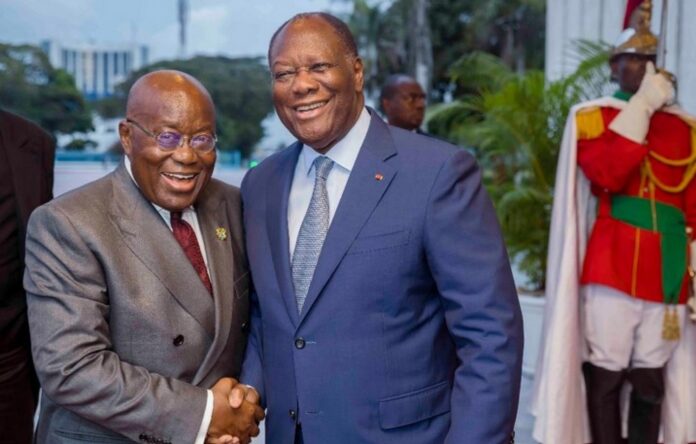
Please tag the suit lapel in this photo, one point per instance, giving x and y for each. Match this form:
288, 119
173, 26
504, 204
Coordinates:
149, 238
362, 193
212, 214
278, 192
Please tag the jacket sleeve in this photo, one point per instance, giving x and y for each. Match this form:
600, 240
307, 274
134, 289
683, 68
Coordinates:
69, 311
252, 366
468, 260
690, 192
607, 159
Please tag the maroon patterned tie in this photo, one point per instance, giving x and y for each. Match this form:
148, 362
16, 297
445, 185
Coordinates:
186, 237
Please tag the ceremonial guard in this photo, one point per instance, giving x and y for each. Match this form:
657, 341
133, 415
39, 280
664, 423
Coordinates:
619, 263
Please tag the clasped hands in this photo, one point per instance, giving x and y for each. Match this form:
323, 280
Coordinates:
236, 413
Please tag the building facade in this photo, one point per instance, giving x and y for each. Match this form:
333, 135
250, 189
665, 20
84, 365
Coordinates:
602, 20
96, 69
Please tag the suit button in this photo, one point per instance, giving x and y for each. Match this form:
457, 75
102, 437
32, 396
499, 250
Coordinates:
178, 340
245, 327
292, 414
299, 343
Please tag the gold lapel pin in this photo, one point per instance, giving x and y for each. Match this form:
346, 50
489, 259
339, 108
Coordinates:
221, 233
378, 177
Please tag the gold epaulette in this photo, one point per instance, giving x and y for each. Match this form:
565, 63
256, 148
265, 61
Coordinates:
589, 122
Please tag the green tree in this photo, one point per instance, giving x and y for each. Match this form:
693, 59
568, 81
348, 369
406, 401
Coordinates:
31, 87
240, 89
515, 123
511, 29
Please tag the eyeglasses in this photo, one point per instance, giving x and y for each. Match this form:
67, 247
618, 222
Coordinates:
288, 74
169, 140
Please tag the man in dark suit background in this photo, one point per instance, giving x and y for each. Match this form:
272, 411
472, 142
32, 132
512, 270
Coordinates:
26, 181
384, 307
403, 101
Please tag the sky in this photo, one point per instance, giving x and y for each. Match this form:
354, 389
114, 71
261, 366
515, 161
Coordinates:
216, 27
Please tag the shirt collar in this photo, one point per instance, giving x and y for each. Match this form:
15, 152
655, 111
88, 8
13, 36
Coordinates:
623, 95
346, 150
163, 212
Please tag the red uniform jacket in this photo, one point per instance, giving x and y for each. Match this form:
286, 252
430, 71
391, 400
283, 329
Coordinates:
620, 255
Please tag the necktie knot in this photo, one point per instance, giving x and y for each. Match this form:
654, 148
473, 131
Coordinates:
175, 216
323, 166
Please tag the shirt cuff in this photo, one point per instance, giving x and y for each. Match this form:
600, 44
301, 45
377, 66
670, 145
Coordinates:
207, 416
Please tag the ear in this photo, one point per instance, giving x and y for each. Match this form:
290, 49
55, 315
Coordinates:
358, 74
124, 134
614, 68
385, 105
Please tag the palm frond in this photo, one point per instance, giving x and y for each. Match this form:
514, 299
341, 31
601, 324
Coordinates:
515, 124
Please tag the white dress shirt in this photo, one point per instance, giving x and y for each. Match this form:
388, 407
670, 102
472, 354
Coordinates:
343, 154
190, 216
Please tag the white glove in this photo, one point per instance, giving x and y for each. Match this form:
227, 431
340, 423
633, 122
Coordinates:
655, 91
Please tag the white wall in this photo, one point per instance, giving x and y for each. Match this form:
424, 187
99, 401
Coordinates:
568, 20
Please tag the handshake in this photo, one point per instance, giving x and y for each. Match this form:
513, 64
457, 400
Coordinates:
236, 413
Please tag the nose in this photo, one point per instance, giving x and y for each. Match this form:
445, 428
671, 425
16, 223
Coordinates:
304, 83
185, 153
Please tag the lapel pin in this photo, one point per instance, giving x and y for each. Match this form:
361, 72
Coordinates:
221, 233
378, 177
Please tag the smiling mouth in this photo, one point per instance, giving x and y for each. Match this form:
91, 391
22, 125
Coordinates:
310, 107
180, 177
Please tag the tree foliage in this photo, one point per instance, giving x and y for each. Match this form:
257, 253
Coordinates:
515, 123
511, 29
240, 89
31, 87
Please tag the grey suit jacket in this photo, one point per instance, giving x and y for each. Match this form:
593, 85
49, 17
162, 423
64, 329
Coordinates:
125, 336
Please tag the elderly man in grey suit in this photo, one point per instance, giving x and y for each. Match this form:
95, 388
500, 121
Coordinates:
137, 286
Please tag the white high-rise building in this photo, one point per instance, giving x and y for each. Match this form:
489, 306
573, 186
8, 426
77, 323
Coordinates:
96, 69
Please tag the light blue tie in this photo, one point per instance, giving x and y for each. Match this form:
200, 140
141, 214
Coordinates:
312, 233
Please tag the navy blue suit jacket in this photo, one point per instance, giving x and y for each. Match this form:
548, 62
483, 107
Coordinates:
411, 331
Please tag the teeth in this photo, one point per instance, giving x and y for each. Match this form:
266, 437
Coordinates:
310, 107
180, 176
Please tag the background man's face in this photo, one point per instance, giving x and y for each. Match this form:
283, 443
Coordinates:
406, 108
317, 87
629, 69
171, 179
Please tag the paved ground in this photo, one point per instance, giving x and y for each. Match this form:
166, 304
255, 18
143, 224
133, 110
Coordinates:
525, 420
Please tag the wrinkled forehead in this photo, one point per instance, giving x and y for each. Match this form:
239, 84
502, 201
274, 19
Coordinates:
172, 105
409, 87
307, 37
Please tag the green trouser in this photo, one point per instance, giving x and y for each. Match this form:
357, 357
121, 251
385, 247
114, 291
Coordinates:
671, 224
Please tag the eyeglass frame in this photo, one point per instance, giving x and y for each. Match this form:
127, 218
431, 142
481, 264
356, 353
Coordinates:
184, 138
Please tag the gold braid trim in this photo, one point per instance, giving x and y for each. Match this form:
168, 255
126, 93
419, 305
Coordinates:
688, 175
678, 162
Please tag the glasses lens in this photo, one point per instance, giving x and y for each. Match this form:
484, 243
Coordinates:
169, 139
203, 142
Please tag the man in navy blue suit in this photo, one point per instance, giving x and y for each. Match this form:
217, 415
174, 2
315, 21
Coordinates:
384, 307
